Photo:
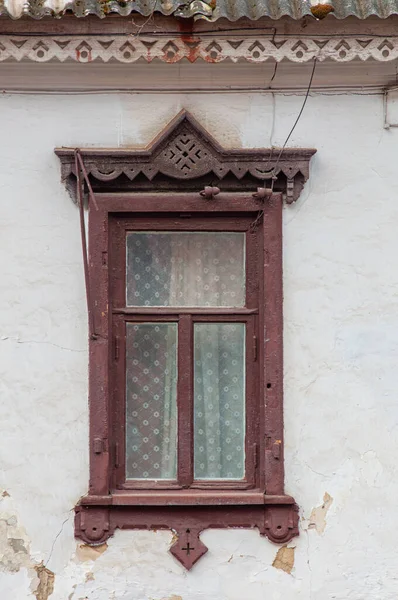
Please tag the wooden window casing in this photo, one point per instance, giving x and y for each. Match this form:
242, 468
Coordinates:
159, 187
259, 500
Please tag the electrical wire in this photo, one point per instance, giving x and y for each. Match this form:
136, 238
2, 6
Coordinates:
274, 177
273, 119
296, 121
273, 74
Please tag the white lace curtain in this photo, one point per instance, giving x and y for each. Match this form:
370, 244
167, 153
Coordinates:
189, 269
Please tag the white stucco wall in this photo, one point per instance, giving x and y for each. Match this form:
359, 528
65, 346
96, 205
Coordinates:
341, 352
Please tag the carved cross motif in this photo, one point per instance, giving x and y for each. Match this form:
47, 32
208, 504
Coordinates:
188, 547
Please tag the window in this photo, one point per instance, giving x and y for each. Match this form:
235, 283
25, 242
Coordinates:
185, 298
184, 292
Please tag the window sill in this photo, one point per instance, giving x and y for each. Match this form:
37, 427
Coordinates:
185, 498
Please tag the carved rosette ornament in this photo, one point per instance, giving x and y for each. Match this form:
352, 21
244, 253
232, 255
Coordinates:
185, 152
185, 158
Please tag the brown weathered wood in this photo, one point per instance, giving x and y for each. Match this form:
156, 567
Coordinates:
186, 505
185, 152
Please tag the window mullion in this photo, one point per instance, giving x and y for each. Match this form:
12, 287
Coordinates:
185, 401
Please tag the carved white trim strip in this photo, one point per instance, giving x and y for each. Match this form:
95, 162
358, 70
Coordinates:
129, 49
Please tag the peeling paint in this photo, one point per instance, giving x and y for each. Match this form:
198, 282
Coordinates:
14, 552
15, 555
84, 552
284, 559
17, 545
318, 515
46, 582
5, 494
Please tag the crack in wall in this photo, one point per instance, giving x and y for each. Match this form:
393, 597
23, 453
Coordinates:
45, 342
57, 536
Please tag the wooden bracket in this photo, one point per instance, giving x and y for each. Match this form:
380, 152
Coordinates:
93, 526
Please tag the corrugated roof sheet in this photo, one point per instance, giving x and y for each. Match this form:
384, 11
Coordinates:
211, 9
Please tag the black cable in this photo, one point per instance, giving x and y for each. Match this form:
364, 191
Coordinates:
298, 117
273, 74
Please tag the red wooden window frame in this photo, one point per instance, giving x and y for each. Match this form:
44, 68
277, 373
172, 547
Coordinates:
186, 507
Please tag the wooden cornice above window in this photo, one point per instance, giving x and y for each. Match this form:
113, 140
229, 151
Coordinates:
185, 157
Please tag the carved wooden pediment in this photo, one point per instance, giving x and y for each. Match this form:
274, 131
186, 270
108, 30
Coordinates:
185, 152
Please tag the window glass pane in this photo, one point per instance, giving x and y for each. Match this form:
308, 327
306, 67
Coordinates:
219, 400
185, 269
151, 401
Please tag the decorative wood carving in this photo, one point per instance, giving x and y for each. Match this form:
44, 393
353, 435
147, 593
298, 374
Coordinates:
184, 151
279, 522
184, 158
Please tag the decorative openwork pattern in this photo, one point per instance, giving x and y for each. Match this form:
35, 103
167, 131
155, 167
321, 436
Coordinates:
87, 49
185, 153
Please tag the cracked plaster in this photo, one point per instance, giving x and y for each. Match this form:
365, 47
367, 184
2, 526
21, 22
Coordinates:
284, 559
15, 553
317, 518
341, 325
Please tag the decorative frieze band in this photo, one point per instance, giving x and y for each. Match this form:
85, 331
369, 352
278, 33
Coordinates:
130, 48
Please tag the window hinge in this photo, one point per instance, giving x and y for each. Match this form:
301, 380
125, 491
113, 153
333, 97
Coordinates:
117, 461
104, 259
255, 452
98, 445
255, 347
116, 347
276, 449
